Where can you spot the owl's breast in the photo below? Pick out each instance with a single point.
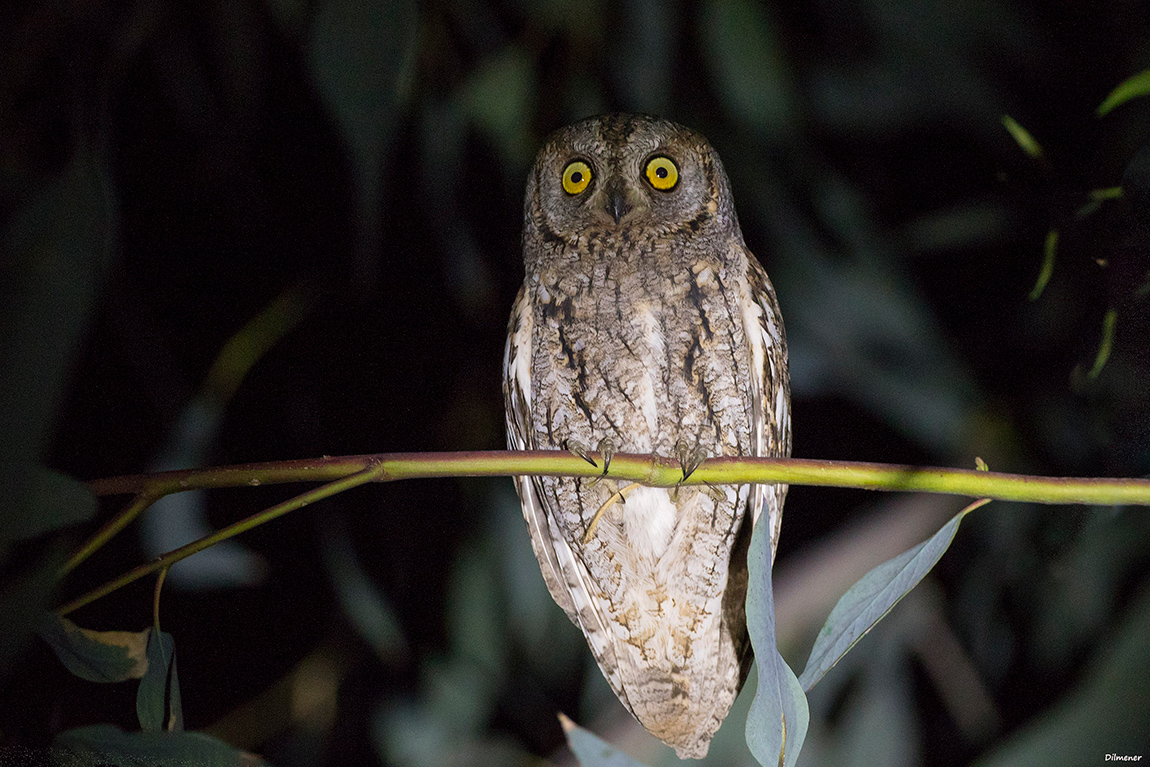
(645, 357)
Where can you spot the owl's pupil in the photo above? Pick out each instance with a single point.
(661, 172)
(576, 177)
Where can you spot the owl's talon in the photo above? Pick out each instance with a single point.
(579, 449)
(607, 450)
(690, 458)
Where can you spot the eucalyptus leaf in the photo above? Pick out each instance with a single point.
(779, 716)
(105, 744)
(97, 656)
(872, 597)
(592, 751)
(56, 248)
(159, 691)
(40, 500)
(1132, 87)
(749, 68)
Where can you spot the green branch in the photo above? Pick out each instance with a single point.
(346, 472)
(648, 470)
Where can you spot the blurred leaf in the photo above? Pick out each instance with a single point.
(778, 719)
(499, 97)
(1104, 345)
(877, 724)
(104, 744)
(873, 596)
(590, 750)
(23, 597)
(1049, 250)
(180, 518)
(1107, 714)
(748, 66)
(98, 656)
(56, 250)
(363, 603)
(39, 500)
(362, 56)
(1022, 137)
(158, 699)
(1133, 87)
(856, 328)
(475, 609)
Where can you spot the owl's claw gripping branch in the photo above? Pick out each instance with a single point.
(690, 458)
(607, 450)
(579, 449)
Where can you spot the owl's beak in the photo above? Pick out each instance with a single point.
(617, 205)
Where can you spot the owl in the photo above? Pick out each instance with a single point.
(645, 325)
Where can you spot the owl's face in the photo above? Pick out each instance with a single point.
(628, 176)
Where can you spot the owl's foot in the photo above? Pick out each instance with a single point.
(690, 458)
(579, 449)
(607, 450)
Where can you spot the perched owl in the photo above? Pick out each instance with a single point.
(644, 325)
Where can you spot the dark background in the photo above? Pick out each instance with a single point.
(353, 173)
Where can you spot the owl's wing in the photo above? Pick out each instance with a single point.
(516, 392)
(770, 388)
(563, 571)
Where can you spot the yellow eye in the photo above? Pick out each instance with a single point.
(576, 177)
(663, 173)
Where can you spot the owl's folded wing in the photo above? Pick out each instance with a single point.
(770, 387)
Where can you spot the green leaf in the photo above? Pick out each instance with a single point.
(158, 699)
(105, 744)
(1138, 85)
(1049, 250)
(1105, 345)
(56, 248)
(749, 66)
(39, 500)
(499, 97)
(778, 719)
(23, 597)
(590, 750)
(866, 602)
(362, 58)
(1022, 137)
(98, 656)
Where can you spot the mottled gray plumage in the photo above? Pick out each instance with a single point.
(644, 324)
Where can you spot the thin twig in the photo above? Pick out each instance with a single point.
(363, 477)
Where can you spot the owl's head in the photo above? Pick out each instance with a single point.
(631, 178)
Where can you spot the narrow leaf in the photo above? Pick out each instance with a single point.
(105, 744)
(1138, 85)
(778, 719)
(866, 602)
(741, 42)
(39, 500)
(1050, 248)
(1105, 344)
(175, 721)
(1022, 136)
(98, 656)
(590, 750)
(152, 697)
